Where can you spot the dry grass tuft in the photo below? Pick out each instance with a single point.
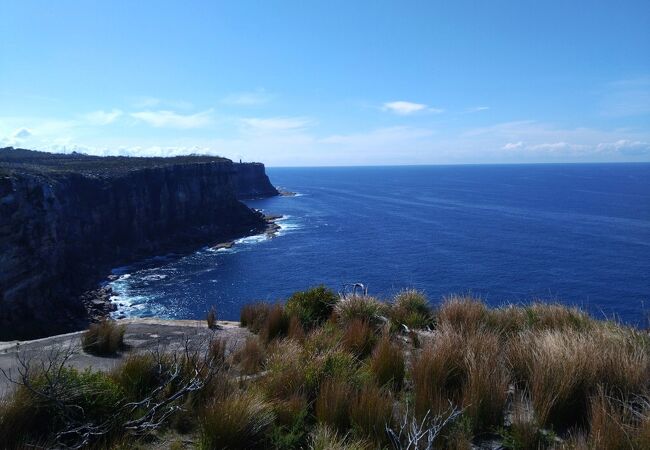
(333, 404)
(286, 374)
(462, 313)
(276, 324)
(296, 330)
(253, 316)
(250, 358)
(366, 309)
(211, 318)
(437, 372)
(371, 410)
(387, 364)
(104, 338)
(359, 338)
(324, 438)
(486, 380)
(411, 308)
(239, 421)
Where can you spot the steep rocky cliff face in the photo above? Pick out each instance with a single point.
(64, 224)
(251, 181)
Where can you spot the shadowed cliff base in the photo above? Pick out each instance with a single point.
(66, 220)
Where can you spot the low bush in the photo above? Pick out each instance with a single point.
(291, 428)
(313, 306)
(410, 308)
(104, 338)
(239, 421)
(387, 364)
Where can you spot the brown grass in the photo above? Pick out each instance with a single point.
(437, 372)
(296, 330)
(211, 318)
(325, 438)
(217, 350)
(333, 404)
(239, 421)
(276, 324)
(462, 313)
(387, 364)
(104, 338)
(411, 308)
(370, 411)
(286, 370)
(359, 338)
(485, 387)
(250, 358)
(367, 309)
(253, 316)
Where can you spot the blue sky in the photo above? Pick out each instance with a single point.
(332, 82)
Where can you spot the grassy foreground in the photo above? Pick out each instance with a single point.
(323, 372)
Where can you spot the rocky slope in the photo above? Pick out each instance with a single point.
(65, 220)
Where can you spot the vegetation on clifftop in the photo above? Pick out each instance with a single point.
(325, 372)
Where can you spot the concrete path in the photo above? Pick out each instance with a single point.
(141, 335)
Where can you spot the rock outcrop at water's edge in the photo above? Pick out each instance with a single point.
(66, 220)
(251, 181)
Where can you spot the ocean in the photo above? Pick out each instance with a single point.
(572, 233)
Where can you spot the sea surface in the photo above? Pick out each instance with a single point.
(575, 233)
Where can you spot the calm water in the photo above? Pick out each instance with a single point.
(579, 234)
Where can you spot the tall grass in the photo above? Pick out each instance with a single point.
(387, 364)
(371, 410)
(276, 324)
(359, 338)
(253, 316)
(104, 338)
(239, 421)
(462, 313)
(250, 357)
(333, 404)
(411, 308)
(366, 309)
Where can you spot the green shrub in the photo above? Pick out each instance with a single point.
(240, 421)
(103, 338)
(313, 306)
(412, 309)
(292, 425)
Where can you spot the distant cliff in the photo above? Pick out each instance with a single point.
(65, 220)
(251, 181)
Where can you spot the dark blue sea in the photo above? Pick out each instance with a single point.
(575, 233)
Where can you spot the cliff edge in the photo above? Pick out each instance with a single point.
(66, 220)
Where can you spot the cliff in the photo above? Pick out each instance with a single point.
(66, 220)
(251, 181)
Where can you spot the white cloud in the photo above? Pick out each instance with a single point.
(475, 109)
(513, 145)
(258, 97)
(21, 133)
(276, 123)
(404, 108)
(101, 117)
(170, 119)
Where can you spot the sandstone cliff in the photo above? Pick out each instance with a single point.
(251, 181)
(65, 220)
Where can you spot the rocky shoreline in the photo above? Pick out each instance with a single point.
(99, 305)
